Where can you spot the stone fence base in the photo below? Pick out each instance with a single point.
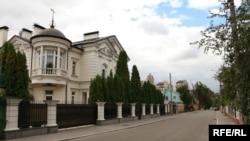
(115, 120)
(29, 132)
(149, 116)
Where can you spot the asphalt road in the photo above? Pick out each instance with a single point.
(184, 127)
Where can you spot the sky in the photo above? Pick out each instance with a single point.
(156, 34)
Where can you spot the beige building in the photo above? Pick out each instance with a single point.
(180, 83)
(60, 69)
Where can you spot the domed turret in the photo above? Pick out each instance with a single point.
(51, 32)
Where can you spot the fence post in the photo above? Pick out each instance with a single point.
(143, 109)
(151, 109)
(12, 114)
(51, 115)
(119, 109)
(158, 109)
(166, 108)
(133, 109)
(100, 110)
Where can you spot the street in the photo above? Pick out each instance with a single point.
(191, 126)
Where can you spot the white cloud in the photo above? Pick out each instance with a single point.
(203, 4)
(175, 3)
(155, 44)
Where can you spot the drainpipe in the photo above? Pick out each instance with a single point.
(66, 89)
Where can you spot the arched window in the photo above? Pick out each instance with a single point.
(104, 69)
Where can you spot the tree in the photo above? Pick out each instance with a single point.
(135, 86)
(14, 68)
(185, 96)
(9, 70)
(111, 87)
(22, 81)
(119, 89)
(123, 72)
(232, 38)
(204, 94)
(96, 91)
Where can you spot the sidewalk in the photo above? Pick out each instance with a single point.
(221, 118)
(77, 132)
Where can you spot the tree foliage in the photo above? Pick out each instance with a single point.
(135, 86)
(205, 95)
(150, 95)
(14, 68)
(123, 72)
(110, 89)
(185, 96)
(232, 38)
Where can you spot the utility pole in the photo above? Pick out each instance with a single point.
(170, 94)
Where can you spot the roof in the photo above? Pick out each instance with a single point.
(92, 40)
(51, 32)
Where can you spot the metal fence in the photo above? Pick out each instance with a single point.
(126, 110)
(70, 115)
(2, 114)
(162, 109)
(138, 110)
(32, 114)
(147, 108)
(110, 111)
(155, 108)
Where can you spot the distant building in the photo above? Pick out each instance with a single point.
(175, 96)
(181, 83)
(60, 69)
(150, 78)
(163, 85)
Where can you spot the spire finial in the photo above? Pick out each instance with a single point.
(52, 23)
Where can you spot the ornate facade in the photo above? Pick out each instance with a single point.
(60, 69)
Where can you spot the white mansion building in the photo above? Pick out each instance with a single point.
(60, 69)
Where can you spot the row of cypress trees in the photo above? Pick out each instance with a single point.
(119, 87)
(15, 73)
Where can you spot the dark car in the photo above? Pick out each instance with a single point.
(216, 108)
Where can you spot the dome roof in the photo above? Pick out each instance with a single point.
(51, 32)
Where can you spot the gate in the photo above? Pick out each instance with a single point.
(70, 115)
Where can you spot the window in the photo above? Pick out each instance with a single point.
(49, 58)
(48, 95)
(174, 97)
(166, 97)
(104, 69)
(61, 60)
(73, 98)
(39, 58)
(74, 68)
(84, 98)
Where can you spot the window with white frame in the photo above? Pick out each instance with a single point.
(48, 94)
(49, 58)
(73, 98)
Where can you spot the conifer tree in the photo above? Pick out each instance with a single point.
(135, 86)
(96, 93)
(22, 81)
(9, 69)
(123, 72)
(110, 85)
(119, 89)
